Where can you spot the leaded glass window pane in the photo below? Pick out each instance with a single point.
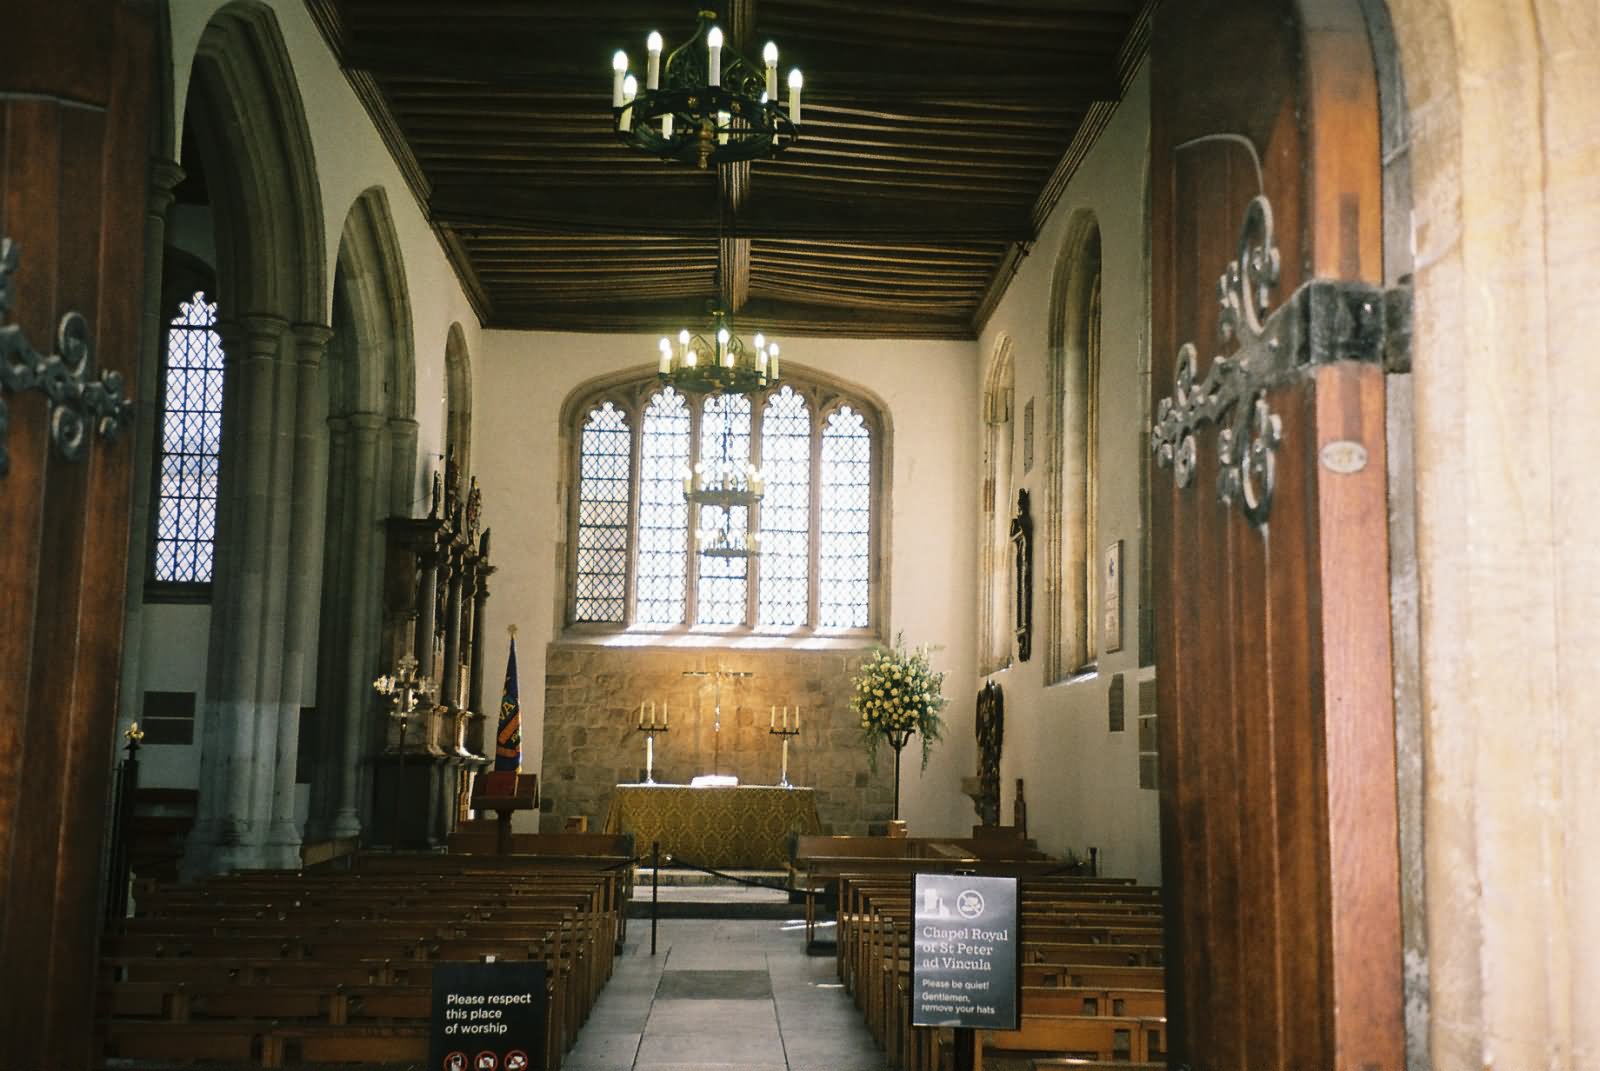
(724, 444)
(844, 549)
(783, 591)
(663, 555)
(190, 446)
(605, 463)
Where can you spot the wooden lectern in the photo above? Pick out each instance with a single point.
(502, 792)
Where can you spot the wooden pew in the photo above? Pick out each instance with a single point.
(275, 968)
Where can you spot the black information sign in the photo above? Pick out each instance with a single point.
(964, 952)
(488, 1017)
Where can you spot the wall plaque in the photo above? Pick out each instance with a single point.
(964, 952)
(488, 1017)
(1111, 588)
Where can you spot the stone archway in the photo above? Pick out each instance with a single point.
(372, 441)
(271, 282)
(1501, 159)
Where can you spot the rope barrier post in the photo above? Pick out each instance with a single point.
(655, 885)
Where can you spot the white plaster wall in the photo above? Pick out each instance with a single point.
(930, 393)
(172, 659)
(1082, 780)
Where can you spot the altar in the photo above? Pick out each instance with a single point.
(738, 826)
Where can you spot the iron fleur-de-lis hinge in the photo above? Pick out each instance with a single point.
(76, 401)
(1323, 321)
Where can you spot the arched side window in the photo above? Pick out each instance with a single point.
(996, 635)
(1072, 461)
(189, 447)
(604, 488)
(812, 534)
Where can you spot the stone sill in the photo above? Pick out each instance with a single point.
(737, 640)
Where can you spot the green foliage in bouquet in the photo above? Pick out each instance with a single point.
(897, 690)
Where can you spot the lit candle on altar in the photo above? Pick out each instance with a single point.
(770, 56)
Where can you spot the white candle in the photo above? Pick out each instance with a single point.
(724, 122)
(714, 46)
(797, 717)
(666, 125)
(630, 89)
(796, 80)
(722, 347)
(770, 54)
(619, 68)
(663, 713)
(641, 712)
(666, 356)
(785, 717)
(773, 350)
(772, 716)
(652, 77)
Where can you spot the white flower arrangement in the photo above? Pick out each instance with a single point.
(898, 691)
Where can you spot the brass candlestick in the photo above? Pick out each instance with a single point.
(650, 727)
(779, 726)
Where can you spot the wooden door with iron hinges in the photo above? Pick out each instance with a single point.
(1279, 827)
(76, 84)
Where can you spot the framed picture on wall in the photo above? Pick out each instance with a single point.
(1111, 584)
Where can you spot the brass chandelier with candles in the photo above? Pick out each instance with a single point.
(704, 102)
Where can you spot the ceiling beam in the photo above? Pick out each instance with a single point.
(647, 212)
(782, 318)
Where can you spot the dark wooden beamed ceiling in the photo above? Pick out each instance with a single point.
(937, 135)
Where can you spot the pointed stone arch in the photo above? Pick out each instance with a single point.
(272, 290)
(458, 399)
(258, 155)
(372, 445)
(1072, 376)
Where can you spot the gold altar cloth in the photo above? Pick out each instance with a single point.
(742, 826)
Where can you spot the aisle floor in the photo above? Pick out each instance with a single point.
(723, 995)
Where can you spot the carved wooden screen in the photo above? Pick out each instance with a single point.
(1277, 764)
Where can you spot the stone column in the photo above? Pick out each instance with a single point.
(332, 634)
(273, 680)
(242, 610)
(306, 533)
(164, 176)
(202, 847)
(358, 696)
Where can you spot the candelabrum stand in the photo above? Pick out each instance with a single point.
(650, 732)
(408, 694)
(786, 733)
(897, 740)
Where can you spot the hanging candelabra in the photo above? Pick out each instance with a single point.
(705, 103)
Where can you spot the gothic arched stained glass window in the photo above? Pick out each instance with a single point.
(639, 549)
(189, 453)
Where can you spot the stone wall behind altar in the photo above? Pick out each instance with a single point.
(591, 711)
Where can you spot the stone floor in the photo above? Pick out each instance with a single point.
(723, 995)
